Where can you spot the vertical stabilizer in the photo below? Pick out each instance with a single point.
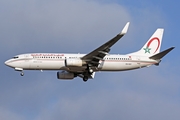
(153, 45)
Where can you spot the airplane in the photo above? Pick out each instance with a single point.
(84, 66)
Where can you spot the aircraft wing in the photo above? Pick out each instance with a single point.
(98, 54)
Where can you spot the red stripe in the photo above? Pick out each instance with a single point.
(155, 38)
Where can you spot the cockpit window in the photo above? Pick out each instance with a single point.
(15, 57)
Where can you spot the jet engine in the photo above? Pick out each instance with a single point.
(65, 75)
(73, 62)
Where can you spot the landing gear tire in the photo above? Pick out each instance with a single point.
(85, 78)
(22, 74)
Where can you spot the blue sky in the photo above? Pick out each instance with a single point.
(79, 26)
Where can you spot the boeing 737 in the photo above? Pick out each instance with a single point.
(70, 66)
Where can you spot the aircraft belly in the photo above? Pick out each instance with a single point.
(74, 69)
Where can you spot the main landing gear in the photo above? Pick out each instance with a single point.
(85, 78)
(89, 71)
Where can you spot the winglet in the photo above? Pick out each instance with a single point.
(124, 31)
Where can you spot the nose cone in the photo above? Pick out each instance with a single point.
(7, 63)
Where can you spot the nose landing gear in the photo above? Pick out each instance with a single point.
(20, 70)
(22, 74)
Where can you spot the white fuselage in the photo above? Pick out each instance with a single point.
(70, 66)
(56, 61)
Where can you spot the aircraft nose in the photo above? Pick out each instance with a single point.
(7, 63)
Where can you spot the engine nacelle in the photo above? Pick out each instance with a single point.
(65, 75)
(73, 63)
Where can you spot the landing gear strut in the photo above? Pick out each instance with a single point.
(89, 69)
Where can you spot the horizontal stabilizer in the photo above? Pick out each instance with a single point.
(161, 54)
